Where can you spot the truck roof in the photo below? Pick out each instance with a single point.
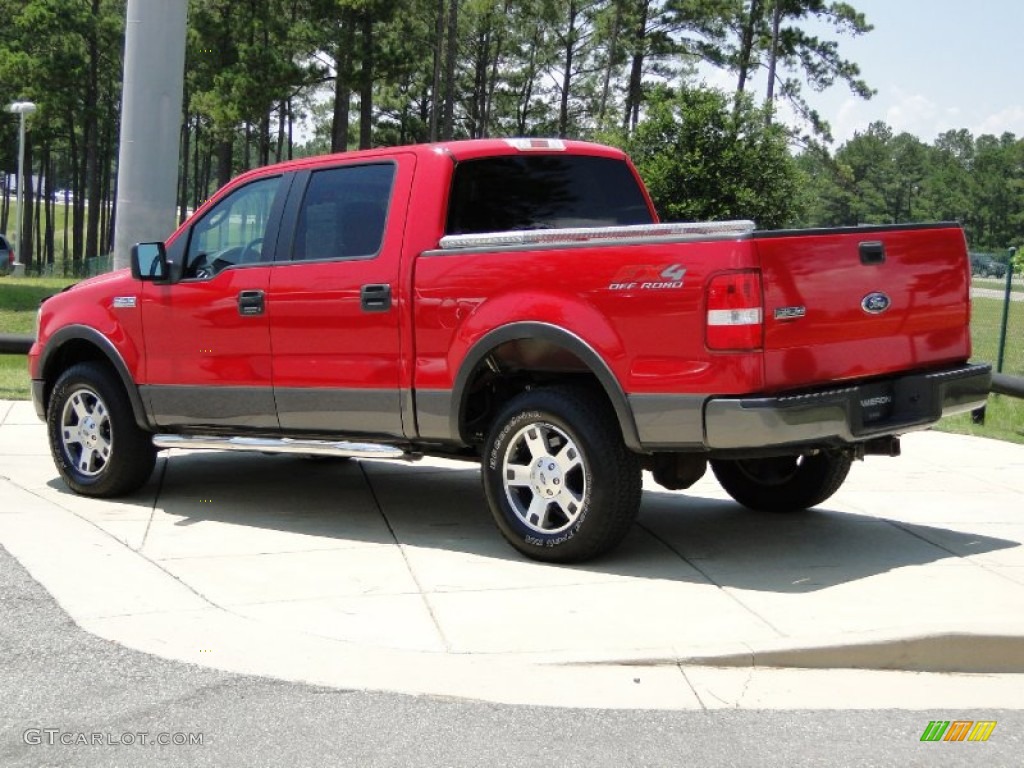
(457, 150)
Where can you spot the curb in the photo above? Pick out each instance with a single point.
(996, 652)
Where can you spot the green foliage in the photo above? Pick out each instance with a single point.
(704, 157)
(881, 178)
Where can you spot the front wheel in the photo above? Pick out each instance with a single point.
(783, 483)
(559, 480)
(96, 445)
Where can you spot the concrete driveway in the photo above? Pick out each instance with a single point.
(391, 576)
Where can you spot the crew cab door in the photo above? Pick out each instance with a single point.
(207, 335)
(334, 300)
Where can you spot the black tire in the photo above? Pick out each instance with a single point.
(96, 445)
(785, 483)
(560, 482)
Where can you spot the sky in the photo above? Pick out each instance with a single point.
(936, 65)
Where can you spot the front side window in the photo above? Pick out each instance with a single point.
(517, 192)
(343, 213)
(232, 232)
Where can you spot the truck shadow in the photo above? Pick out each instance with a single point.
(679, 537)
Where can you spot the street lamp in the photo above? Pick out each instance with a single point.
(22, 108)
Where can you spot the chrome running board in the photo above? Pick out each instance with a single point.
(285, 445)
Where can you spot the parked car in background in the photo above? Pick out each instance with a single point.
(983, 265)
(6, 256)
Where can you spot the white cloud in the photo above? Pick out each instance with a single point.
(1010, 119)
(920, 116)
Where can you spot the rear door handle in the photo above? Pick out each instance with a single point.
(251, 303)
(375, 297)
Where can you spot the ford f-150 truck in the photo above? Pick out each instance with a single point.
(515, 302)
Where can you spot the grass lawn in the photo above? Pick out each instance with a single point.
(994, 284)
(19, 299)
(1004, 420)
(14, 377)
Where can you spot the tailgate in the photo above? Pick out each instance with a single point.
(859, 302)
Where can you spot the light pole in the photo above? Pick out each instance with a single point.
(22, 108)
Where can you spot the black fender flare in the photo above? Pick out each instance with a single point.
(90, 335)
(555, 335)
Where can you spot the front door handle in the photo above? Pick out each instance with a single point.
(375, 297)
(251, 303)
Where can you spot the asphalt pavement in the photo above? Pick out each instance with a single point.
(904, 590)
(73, 699)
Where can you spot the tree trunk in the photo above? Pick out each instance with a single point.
(526, 92)
(49, 246)
(448, 129)
(40, 204)
(773, 57)
(5, 204)
(746, 54)
(24, 248)
(264, 146)
(613, 55)
(92, 140)
(76, 191)
(636, 71)
(366, 83)
(342, 85)
(492, 81)
(291, 127)
(113, 217)
(197, 192)
(570, 51)
(282, 116)
(435, 91)
(225, 150)
(186, 138)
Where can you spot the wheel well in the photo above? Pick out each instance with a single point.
(513, 367)
(68, 354)
(81, 350)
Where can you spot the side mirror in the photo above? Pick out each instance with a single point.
(149, 262)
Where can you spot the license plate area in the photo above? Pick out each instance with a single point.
(875, 404)
(890, 404)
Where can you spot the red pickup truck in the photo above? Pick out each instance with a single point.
(515, 302)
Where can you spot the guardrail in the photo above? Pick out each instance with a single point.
(15, 344)
(1004, 384)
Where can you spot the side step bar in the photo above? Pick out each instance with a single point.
(285, 445)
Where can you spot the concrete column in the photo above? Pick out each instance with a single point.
(154, 78)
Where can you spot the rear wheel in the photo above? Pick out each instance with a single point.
(96, 445)
(560, 482)
(783, 483)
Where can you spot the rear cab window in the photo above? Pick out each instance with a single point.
(344, 213)
(521, 192)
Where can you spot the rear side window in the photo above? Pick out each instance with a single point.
(501, 194)
(344, 212)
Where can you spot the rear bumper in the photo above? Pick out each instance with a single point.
(845, 415)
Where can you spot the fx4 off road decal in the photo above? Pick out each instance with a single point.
(645, 277)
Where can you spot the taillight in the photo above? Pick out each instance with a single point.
(735, 314)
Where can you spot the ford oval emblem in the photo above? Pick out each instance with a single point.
(875, 303)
